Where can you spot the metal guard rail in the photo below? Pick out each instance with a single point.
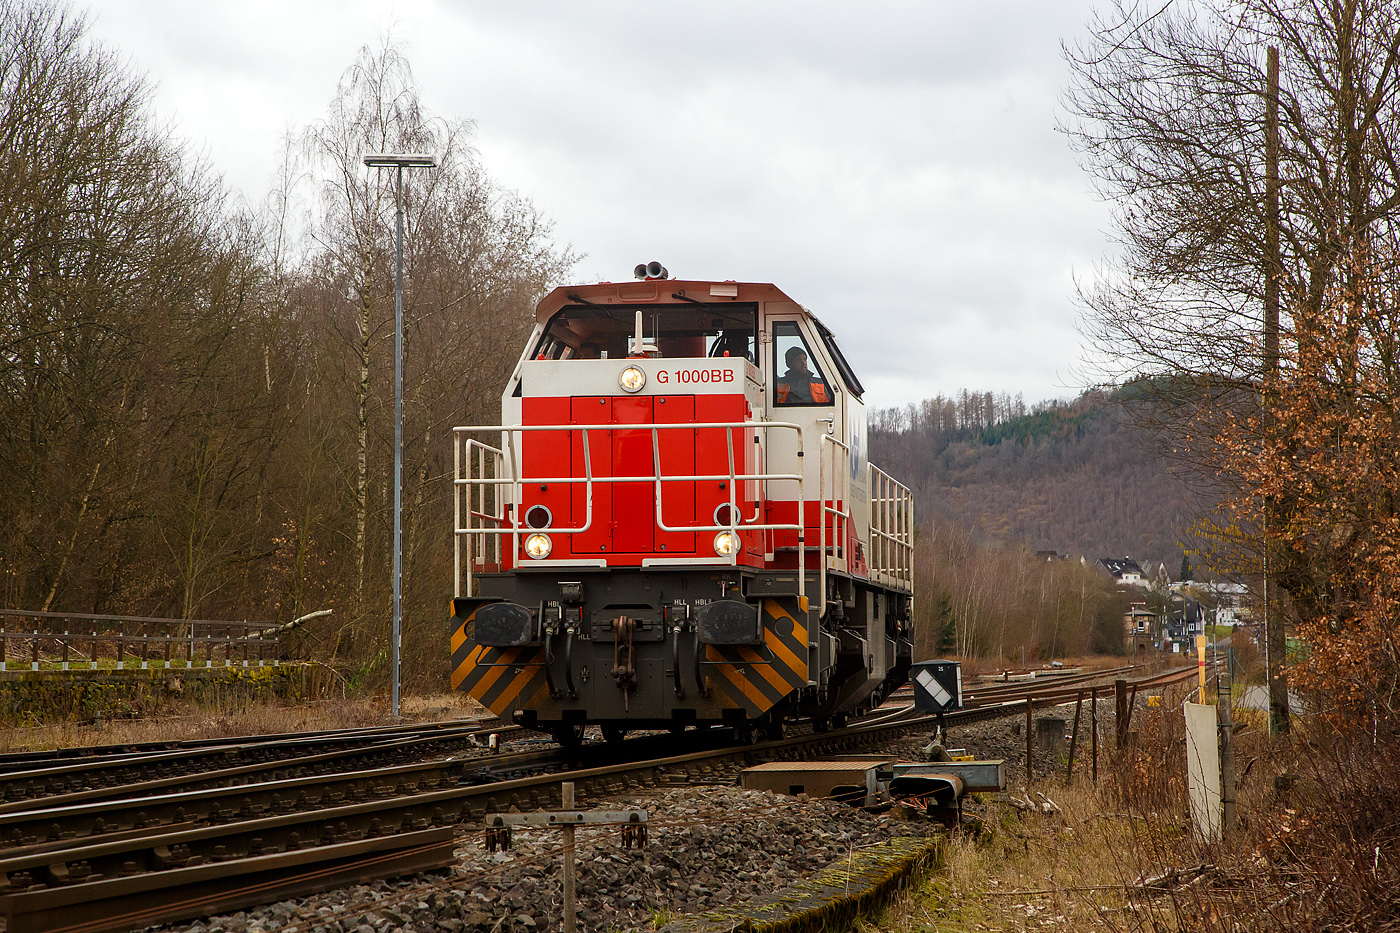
(891, 530)
(838, 452)
(53, 633)
(471, 488)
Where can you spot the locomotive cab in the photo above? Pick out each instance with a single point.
(676, 523)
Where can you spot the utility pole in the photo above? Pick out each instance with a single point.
(1274, 644)
(1225, 718)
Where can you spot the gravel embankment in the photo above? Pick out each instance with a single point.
(709, 847)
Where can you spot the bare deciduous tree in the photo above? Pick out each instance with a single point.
(124, 290)
(1168, 106)
(476, 259)
(195, 403)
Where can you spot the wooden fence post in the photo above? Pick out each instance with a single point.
(1074, 737)
(1030, 741)
(1094, 730)
(1120, 696)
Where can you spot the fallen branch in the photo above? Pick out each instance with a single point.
(288, 626)
(1047, 807)
(1044, 891)
(1175, 877)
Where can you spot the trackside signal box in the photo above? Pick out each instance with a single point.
(937, 685)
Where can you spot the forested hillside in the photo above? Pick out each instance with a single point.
(1072, 477)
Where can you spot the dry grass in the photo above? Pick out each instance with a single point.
(1321, 855)
(1028, 871)
(254, 719)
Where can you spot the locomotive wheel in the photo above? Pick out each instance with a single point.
(569, 736)
(743, 735)
(613, 734)
(773, 729)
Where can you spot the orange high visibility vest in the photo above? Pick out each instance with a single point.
(819, 396)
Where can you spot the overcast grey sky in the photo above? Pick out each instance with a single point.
(892, 166)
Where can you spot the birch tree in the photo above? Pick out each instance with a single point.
(476, 257)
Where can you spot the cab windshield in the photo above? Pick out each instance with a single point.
(592, 332)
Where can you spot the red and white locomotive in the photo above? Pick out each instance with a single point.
(676, 525)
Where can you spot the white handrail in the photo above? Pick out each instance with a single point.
(494, 526)
(841, 517)
(891, 529)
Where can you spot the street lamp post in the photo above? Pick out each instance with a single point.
(399, 161)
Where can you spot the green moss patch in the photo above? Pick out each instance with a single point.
(831, 900)
(32, 698)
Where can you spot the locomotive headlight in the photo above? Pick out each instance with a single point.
(538, 546)
(726, 544)
(632, 379)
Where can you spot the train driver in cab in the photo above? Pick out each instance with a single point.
(799, 386)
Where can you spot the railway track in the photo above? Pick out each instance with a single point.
(34, 778)
(19, 761)
(122, 856)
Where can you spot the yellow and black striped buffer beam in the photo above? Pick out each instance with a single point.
(756, 678)
(501, 679)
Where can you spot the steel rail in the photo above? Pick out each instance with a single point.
(72, 879)
(109, 777)
(29, 763)
(86, 862)
(207, 782)
(131, 903)
(1015, 705)
(93, 816)
(1001, 689)
(11, 762)
(77, 824)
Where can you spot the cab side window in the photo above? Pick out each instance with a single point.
(799, 379)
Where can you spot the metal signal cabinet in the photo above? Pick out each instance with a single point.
(937, 686)
(677, 524)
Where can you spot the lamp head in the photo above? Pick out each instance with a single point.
(400, 160)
